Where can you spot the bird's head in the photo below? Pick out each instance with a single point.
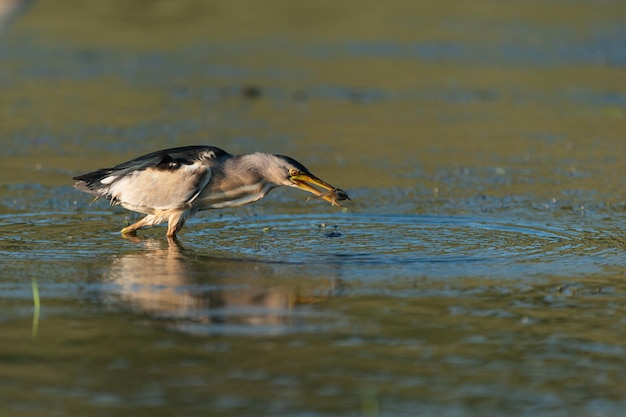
(292, 173)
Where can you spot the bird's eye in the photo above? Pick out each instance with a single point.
(293, 172)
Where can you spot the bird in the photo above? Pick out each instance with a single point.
(172, 185)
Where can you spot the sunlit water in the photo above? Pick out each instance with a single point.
(479, 269)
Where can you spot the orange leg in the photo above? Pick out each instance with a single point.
(175, 218)
(173, 228)
(131, 230)
(176, 222)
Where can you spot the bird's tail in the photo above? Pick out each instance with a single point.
(91, 183)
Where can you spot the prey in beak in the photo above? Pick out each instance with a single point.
(308, 182)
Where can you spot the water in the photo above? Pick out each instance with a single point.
(478, 270)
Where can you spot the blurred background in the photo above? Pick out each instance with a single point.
(408, 90)
(478, 270)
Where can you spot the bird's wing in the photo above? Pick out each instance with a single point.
(161, 180)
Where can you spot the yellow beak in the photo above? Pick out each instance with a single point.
(331, 194)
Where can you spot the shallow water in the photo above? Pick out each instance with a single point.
(479, 269)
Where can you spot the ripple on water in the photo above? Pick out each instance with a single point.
(440, 245)
(433, 245)
(57, 235)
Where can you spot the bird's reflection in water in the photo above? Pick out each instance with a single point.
(196, 294)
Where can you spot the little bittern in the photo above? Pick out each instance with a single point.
(172, 185)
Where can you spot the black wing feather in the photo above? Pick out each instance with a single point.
(159, 159)
(164, 159)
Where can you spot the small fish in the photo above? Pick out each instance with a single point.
(336, 194)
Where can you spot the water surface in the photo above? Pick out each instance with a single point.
(478, 270)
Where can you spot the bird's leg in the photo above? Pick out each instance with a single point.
(176, 222)
(132, 229)
(173, 228)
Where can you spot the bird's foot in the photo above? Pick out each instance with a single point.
(129, 232)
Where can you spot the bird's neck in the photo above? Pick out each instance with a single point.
(255, 167)
(239, 182)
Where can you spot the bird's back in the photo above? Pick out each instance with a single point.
(130, 182)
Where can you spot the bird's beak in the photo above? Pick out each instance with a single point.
(308, 182)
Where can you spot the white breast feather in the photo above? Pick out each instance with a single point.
(153, 189)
